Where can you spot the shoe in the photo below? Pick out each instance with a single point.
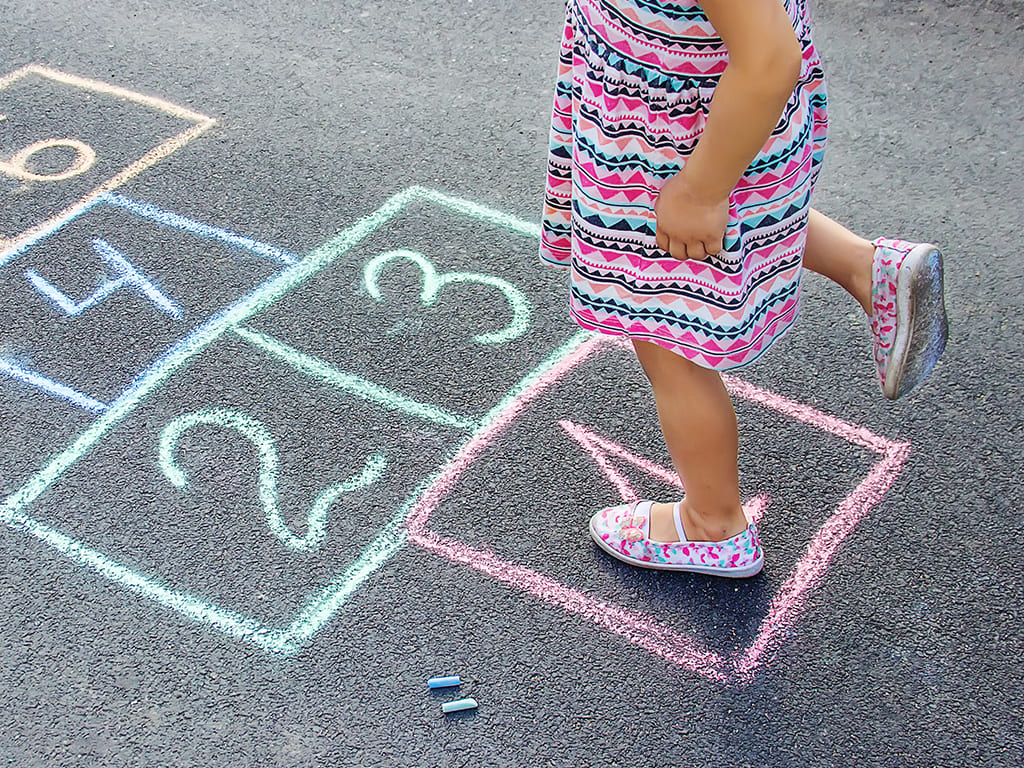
(908, 314)
(624, 533)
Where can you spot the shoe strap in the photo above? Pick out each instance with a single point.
(643, 508)
(679, 522)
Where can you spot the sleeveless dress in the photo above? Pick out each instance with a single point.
(635, 82)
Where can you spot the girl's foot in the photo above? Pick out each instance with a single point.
(697, 528)
(908, 313)
(624, 532)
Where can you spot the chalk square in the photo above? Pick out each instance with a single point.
(180, 273)
(257, 443)
(676, 643)
(53, 163)
(448, 306)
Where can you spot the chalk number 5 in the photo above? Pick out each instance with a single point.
(433, 282)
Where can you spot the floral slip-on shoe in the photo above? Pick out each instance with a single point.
(908, 314)
(623, 532)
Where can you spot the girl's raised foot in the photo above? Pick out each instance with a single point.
(908, 313)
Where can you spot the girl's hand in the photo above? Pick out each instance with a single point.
(689, 226)
(765, 59)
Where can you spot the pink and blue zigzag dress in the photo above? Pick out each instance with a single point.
(634, 86)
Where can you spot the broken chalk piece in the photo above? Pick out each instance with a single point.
(444, 682)
(458, 706)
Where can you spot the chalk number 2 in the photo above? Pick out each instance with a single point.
(433, 282)
(259, 435)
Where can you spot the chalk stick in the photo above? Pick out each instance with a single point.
(458, 706)
(444, 682)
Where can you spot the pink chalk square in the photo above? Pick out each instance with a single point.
(861, 485)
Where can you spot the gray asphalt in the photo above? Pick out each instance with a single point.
(150, 625)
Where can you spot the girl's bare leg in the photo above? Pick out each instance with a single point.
(838, 254)
(699, 425)
(696, 412)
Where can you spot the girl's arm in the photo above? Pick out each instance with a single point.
(692, 209)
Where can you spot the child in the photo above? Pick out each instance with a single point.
(686, 140)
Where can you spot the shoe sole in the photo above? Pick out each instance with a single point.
(921, 326)
(745, 572)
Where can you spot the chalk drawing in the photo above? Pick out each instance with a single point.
(51, 387)
(601, 450)
(433, 283)
(201, 123)
(165, 218)
(146, 212)
(17, 167)
(130, 277)
(645, 631)
(355, 385)
(151, 212)
(257, 433)
(322, 605)
(411, 518)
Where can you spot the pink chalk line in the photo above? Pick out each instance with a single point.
(640, 629)
(600, 448)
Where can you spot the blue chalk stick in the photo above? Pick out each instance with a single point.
(458, 706)
(444, 682)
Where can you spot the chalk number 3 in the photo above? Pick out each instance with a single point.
(433, 282)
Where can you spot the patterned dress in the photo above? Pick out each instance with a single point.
(635, 82)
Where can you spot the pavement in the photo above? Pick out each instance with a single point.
(294, 419)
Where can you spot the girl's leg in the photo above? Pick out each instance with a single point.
(899, 287)
(699, 425)
(838, 254)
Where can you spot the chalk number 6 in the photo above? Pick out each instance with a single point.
(434, 282)
(18, 168)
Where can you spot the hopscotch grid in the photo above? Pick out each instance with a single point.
(412, 515)
(392, 536)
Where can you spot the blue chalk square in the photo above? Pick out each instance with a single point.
(88, 307)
